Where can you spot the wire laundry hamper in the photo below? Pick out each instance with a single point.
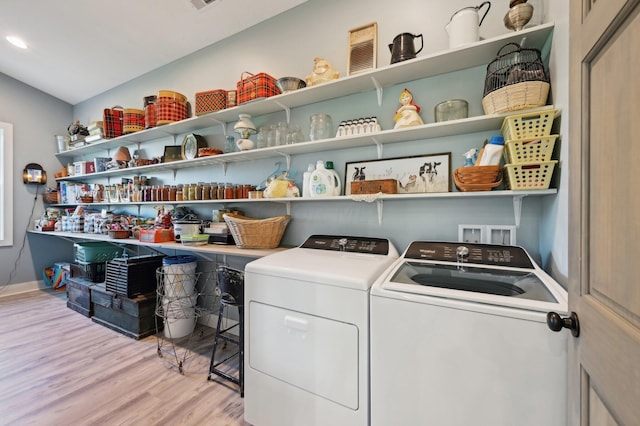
(516, 79)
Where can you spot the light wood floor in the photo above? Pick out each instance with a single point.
(58, 367)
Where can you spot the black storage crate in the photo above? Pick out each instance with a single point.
(93, 271)
(133, 317)
(79, 295)
(130, 276)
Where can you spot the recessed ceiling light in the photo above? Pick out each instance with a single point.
(17, 41)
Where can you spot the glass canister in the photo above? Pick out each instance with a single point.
(321, 127)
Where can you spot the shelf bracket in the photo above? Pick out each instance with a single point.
(379, 147)
(379, 90)
(517, 208)
(224, 168)
(288, 208)
(379, 206)
(286, 109)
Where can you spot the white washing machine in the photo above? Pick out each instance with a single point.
(307, 332)
(459, 337)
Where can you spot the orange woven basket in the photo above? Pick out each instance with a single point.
(477, 178)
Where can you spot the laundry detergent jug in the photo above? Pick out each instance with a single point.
(323, 182)
(464, 26)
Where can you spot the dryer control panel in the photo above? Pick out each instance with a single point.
(348, 244)
(483, 254)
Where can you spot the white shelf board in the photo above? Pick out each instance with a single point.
(476, 54)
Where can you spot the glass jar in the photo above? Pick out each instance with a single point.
(229, 191)
(206, 192)
(271, 136)
(191, 192)
(199, 188)
(220, 189)
(213, 187)
(281, 133)
(321, 127)
(261, 138)
(179, 193)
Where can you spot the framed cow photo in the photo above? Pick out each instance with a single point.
(415, 174)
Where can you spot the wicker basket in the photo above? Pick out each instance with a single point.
(525, 95)
(50, 197)
(516, 79)
(119, 234)
(256, 233)
(477, 178)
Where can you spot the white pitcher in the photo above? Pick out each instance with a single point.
(464, 26)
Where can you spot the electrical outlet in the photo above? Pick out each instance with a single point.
(471, 233)
(501, 234)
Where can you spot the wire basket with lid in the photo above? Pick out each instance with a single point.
(516, 79)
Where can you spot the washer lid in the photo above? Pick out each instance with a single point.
(516, 283)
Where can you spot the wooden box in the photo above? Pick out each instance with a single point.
(133, 317)
(386, 186)
(79, 295)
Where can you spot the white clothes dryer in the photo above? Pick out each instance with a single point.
(459, 337)
(307, 331)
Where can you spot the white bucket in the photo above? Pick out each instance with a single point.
(180, 297)
(175, 328)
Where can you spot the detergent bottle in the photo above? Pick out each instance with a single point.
(329, 166)
(306, 181)
(493, 151)
(323, 182)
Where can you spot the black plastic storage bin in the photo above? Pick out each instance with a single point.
(133, 317)
(131, 276)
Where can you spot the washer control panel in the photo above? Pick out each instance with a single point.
(482, 254)
(348, 244)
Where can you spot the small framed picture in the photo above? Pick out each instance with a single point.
(415, 174)
(172, 153)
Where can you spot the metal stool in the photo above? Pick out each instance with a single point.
(231, 282)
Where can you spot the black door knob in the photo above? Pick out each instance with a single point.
(556, 323)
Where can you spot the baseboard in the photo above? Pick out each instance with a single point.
(25, 287)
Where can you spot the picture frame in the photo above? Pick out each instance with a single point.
(172, 153)
(415, 174)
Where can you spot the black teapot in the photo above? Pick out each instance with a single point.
(403, 47)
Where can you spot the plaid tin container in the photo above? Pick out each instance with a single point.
(112, 122)
(210, 101)
(133, 120)
(256, 86)
(170, 107)
(150, 118)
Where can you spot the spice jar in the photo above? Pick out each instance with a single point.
(229, 191)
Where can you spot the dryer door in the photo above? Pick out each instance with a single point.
(313, 353)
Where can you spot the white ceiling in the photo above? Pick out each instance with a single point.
(81, 48)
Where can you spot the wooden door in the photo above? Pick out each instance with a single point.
(604, 239)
